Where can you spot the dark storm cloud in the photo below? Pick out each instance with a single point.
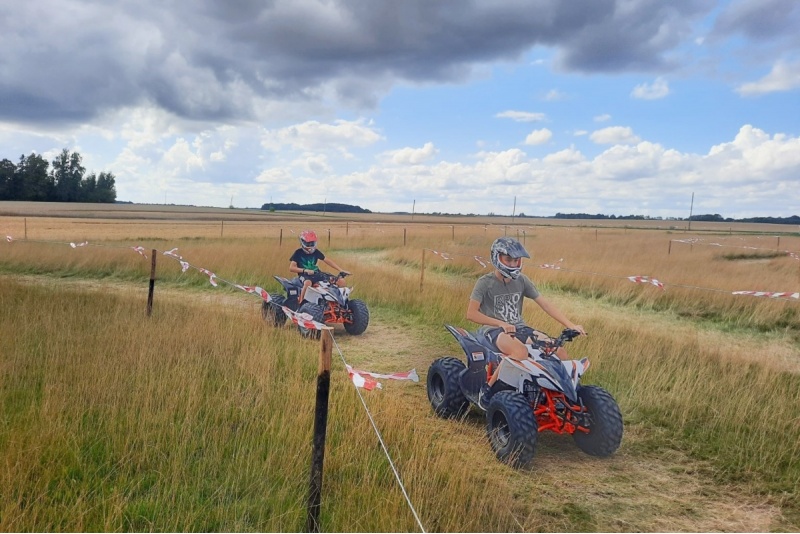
(211, 59)
(760, 19)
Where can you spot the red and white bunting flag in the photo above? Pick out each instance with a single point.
(442, 254)
(140, 250)
(770, 294)
(302, 319)
(173, 253)
(791, 255)
(184, 265)
(408, 375)
(76, 245)
(646, 280)
(480, 260)
(362, 381)
(556, 265)
(9, 238)
(212, 278)
(257, 290)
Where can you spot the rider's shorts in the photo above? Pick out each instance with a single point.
(315, 278)
(523, 333)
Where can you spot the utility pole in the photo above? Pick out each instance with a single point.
(514, 211)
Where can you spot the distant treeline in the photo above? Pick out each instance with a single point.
(794, 219)
(332, 207)
(33, 179)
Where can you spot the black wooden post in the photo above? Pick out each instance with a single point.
(152, 282)
(280, 238)
(320, 429)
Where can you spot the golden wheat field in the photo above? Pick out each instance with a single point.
(200, 416)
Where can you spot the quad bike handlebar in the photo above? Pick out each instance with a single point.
(567, 335)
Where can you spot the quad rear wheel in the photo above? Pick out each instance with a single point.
(605, 422)
(444, 392)
(271, 311)
(511, 428)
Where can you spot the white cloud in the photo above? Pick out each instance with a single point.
(613, 135)
(522, 116)
(411, 156)
(315, 136)
(602, 118)
(784, 76)
(538, 137)
(658, 89)
(554, 95)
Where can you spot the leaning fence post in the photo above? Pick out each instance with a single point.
(320, 429)
(26, 228)
(280, 238)
(152, 282)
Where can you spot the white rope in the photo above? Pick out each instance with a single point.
(380, 439)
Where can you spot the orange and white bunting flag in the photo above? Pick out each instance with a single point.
(76, 245)
(140, 250)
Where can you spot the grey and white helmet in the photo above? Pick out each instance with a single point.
(510, 247)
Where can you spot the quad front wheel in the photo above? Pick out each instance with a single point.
(444, 391)
(360, 318)
(604, 422)
(511, 428)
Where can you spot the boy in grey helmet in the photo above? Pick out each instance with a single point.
(496, 304)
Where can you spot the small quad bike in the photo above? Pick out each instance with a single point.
(542, 393)
(324, 301)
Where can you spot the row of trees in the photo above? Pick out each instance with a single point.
(34, 179)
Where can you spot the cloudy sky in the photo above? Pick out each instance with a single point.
(454, 106)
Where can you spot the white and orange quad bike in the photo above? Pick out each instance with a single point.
(542, 393)
(324, 302)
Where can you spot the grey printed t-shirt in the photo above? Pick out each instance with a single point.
(503, 300)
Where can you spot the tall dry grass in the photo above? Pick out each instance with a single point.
(200, 418)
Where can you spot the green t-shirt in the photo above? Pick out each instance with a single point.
(503, 300)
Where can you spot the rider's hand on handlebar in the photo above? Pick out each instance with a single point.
(580, 329)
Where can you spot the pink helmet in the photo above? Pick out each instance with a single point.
(308, 239)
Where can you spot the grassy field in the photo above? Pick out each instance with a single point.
(200, 417)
